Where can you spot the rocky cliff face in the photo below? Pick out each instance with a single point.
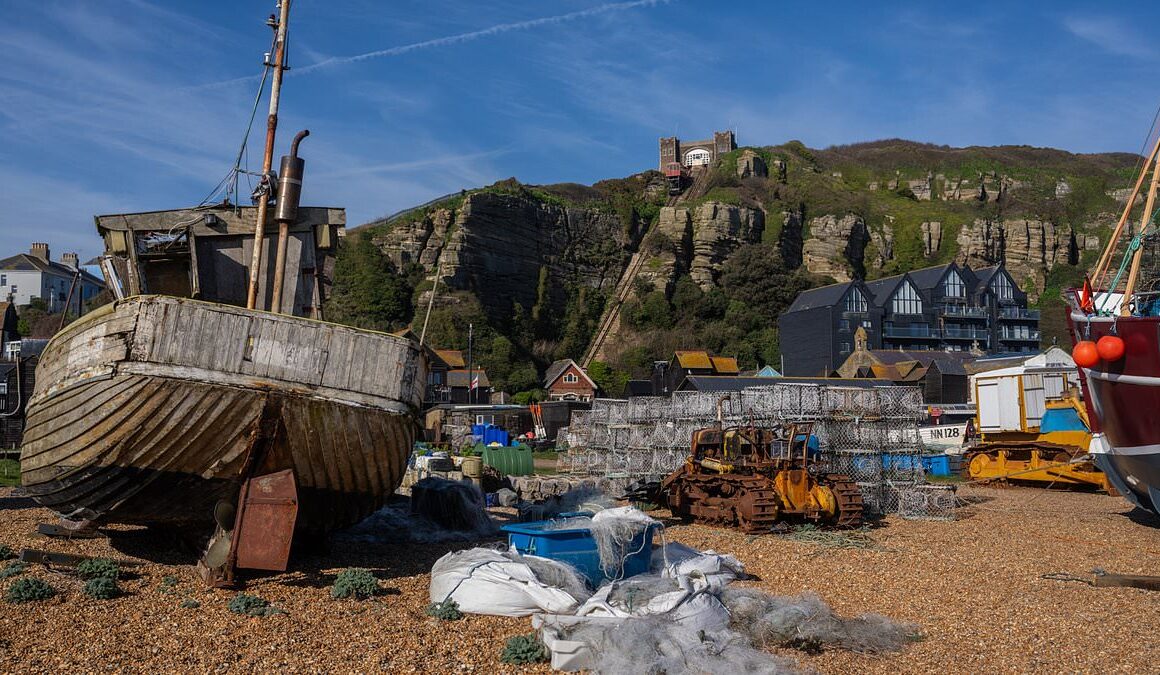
(836, 247)
(496, 244)
(1031, 248)
(699, 240)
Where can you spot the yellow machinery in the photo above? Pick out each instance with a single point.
(752, 478)
(1051, 452)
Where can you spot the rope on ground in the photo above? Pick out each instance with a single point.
(849, 539)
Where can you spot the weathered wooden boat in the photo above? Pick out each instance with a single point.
(183, 403)
(149, 410)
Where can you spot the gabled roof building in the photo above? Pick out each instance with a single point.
(942, 308)
(565, 380)
(25, 276)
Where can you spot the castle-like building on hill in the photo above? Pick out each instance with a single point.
(696, 153)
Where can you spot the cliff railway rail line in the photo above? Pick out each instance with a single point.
(610, 319)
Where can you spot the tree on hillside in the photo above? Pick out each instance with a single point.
(755, 276)
(368, 291)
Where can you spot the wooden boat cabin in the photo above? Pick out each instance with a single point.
(205, 252)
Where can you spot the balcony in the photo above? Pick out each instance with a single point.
(1019, 336)
(910, 331)
(1018, 313)
(964, 311)
(959, 333)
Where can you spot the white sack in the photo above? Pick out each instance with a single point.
(485, 581)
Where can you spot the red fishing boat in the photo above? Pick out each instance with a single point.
(1115, 325)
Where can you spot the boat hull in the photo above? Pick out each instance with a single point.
(156, 410)
(1123, 399)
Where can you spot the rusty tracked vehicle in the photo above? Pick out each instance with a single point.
(752, 478)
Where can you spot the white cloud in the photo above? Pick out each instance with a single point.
(1112, 35)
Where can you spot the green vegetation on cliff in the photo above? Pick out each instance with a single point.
(897, 194)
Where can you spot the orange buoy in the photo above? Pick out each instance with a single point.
(1085, 354)
(1110, 348)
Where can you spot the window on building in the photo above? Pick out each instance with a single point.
(953, 285)
(571, 378)
(855, 301)
(906, 300)
(698, 157)
(3, 279)
(844, 348)
(1003, 288)
(866, 324)
(844, 324)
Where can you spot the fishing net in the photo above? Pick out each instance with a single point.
(656, 644)
(588, 499)
(454, 505)
(769, 620)
(458, 518)
(618, 533)
(555, 574)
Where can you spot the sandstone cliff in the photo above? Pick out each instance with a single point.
(495, 245)
(698, 241)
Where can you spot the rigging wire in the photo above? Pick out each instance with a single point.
(230, 181)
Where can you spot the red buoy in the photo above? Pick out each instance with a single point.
(1110, 348)
(1085, 354)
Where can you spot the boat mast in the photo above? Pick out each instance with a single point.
(268, 157)
(1105, 260)
(1138, 255)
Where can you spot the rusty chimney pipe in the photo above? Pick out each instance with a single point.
(286, 211)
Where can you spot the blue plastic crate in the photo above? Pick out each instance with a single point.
(577, 547)
(937, 465)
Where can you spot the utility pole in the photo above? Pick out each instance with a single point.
(268, 157)
(470, 389)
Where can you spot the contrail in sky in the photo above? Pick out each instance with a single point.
(463, 37)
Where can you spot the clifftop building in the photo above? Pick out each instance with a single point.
(696, 153)
(945, 308)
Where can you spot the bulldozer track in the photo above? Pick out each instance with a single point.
(757, 506)
(850, 505)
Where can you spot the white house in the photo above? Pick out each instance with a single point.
(25, 276)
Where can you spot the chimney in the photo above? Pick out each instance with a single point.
(71, 259)
(40, 251)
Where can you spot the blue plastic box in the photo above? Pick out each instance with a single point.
(937, 465)
(577, 547)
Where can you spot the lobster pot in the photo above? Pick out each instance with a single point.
(639, 437)
(891, 494)
(903, 466)
(647, 408)
(759, 404)
(639, 462)
(927, 502)
(695, 405)
(619, 437)
(842, 434)
(900, 401)
(668, 460)
(849, 401)
(872, 498)
(862, 466)
(617, 411)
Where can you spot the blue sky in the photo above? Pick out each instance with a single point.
(133, 105)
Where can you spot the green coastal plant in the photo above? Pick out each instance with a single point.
(29, 589)
(523, 649)
(355, 582)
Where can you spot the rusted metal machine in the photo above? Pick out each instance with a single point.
(752, 478)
